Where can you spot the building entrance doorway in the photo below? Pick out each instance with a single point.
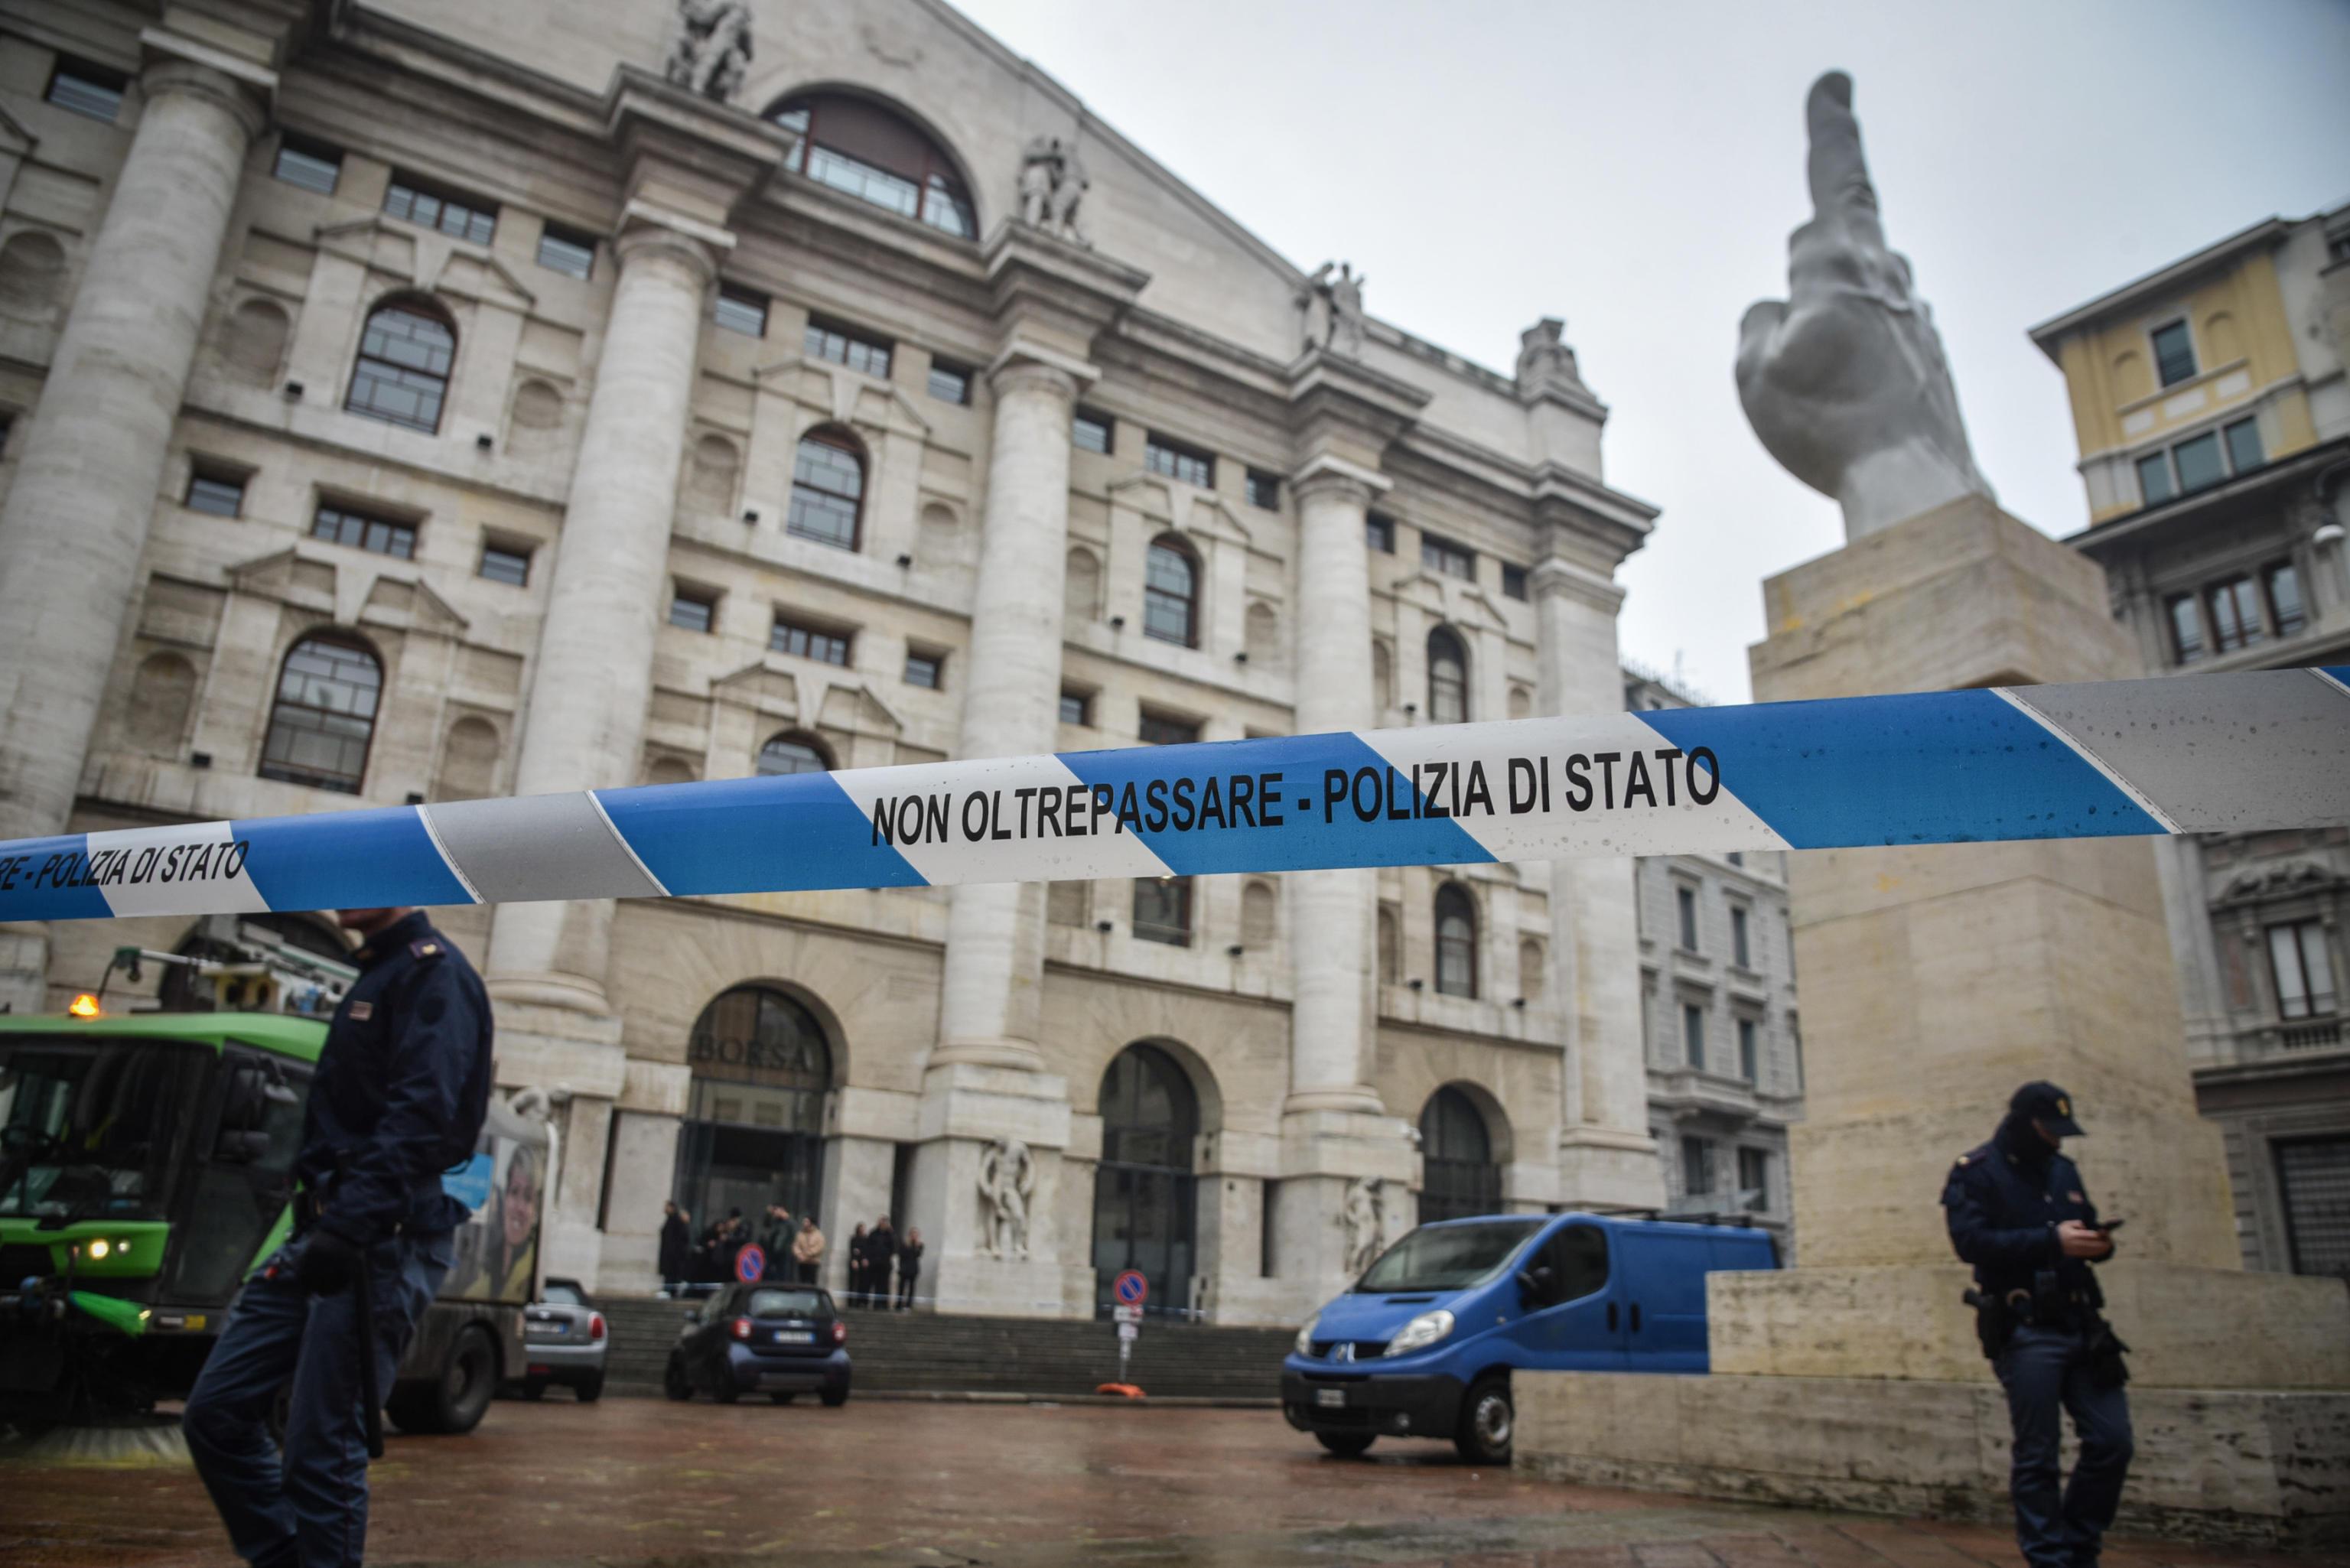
(1145, 1196)
(753, 1126)
(1459, 1177)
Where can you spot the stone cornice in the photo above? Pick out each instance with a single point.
(1326, 471)
(1026, 352)
(1555, 578)
(1041, 285)
(174, 64)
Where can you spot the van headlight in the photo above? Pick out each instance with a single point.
(1305, 1334)
(1421, 1333)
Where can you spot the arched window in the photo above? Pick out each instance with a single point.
(1456, 941)
(403, 370)
(876, 155)
(1170, 593)
(791, 753)
(324, 718)
(828, 488)
(1459, 1177)
(752, 1132)
(1448, 678)
(1145, 1199)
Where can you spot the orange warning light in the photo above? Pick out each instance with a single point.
(83, 1006)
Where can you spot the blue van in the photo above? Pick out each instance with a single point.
(1424, 1344)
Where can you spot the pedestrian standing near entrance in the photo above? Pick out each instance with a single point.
(881, 1250)
(909, 1267)
(2020, 1214)
(807, 1249)
(861, 1266)
(676, 1247)
(775, 1243)
(401, 1091)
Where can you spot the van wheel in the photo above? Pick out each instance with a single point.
(1488, 1422)
(455, 1401)
(1347, 1445)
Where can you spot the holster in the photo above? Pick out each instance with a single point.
(1995, 1322)
(2106, 1367)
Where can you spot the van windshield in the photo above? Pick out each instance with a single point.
(1447, 1257)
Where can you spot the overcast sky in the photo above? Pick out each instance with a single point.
(1636, 169)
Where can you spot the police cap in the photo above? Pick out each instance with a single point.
(2047, 1105)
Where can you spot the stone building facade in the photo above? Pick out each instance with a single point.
(1718, 1019)
(424, 401)
(2213, 416)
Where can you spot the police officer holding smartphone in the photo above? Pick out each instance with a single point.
(2019, 1213)
(401, 1091)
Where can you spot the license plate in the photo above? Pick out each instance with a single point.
(795, 1337)
(1330, 1398)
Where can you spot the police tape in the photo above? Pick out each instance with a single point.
(2208, 754)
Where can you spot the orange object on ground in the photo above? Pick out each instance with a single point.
(1123, 1390)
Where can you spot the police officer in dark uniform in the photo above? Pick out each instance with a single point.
(2019, 1213)
(401, 1091)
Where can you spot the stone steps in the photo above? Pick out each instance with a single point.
(958, 1353)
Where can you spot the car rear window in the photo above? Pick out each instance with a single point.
(786, 1304)
(560, 1295)
(1447, 1257)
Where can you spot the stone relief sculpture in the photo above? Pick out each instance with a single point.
(1333, 308)
(1845, 382)
(1008, 1180)
(1545, 359)
(1364, 1214)
(1052, 183)
(713, 44)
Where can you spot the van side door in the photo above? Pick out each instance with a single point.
(1578, 1326)
(1663, 1284)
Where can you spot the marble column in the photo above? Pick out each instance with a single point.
(995, 932)
(1605, 1155)
(585, 721)
(74, 532)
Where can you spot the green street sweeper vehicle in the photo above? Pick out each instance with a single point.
(145, 1163)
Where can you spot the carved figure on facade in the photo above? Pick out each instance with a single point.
(1845, 382)
(1546, 361)
(1332, 309)
(1007, 1181)
(713, 46)
(1052, 181)
(1365, 1215)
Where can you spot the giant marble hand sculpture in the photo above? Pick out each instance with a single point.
(1846, 383)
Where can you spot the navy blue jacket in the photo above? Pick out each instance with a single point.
(2003, 1214)
(403, 1088)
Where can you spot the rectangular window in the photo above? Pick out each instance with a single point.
(337, 526)
(1736, 857)
(692, 611)
(1754, 1178)
(949, 383)
(2284, 583)
(847, 345)
(925, 670)
(1266, 1209)
(417, 201)
(2244, 453)
(2305, 973)
(88, 90)
(808, 642)
(1176, 460)
(1514, 582)
(1089, 431)
(741, 310)
(2154, 486)
(1441, 554)
(2235, 615)
(568, 252)
(2200, 465)
(1379, 533)
(505, 564)
(313, 165)
(1739, 954)
(1163, 732)
(1749, 1052)
(1162, 910)
(1077, 707)
(2186, 628)
(2174, 353)
(1693, 1035)
(1697, 1168)
(1263, 490)
(222, 495)
(1685, 903)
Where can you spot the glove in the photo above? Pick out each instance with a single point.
(328, 1264)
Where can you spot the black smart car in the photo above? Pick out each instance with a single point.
(777, 1340)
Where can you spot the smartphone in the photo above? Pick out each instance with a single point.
(2109, 1226)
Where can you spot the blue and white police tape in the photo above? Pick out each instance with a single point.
(2266, 749)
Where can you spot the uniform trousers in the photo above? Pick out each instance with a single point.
(2045, 1371)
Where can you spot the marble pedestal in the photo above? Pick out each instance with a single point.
(1935, 981)
(967, 1109)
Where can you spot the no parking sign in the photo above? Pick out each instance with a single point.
(1130, 1288)
(750, 1263)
